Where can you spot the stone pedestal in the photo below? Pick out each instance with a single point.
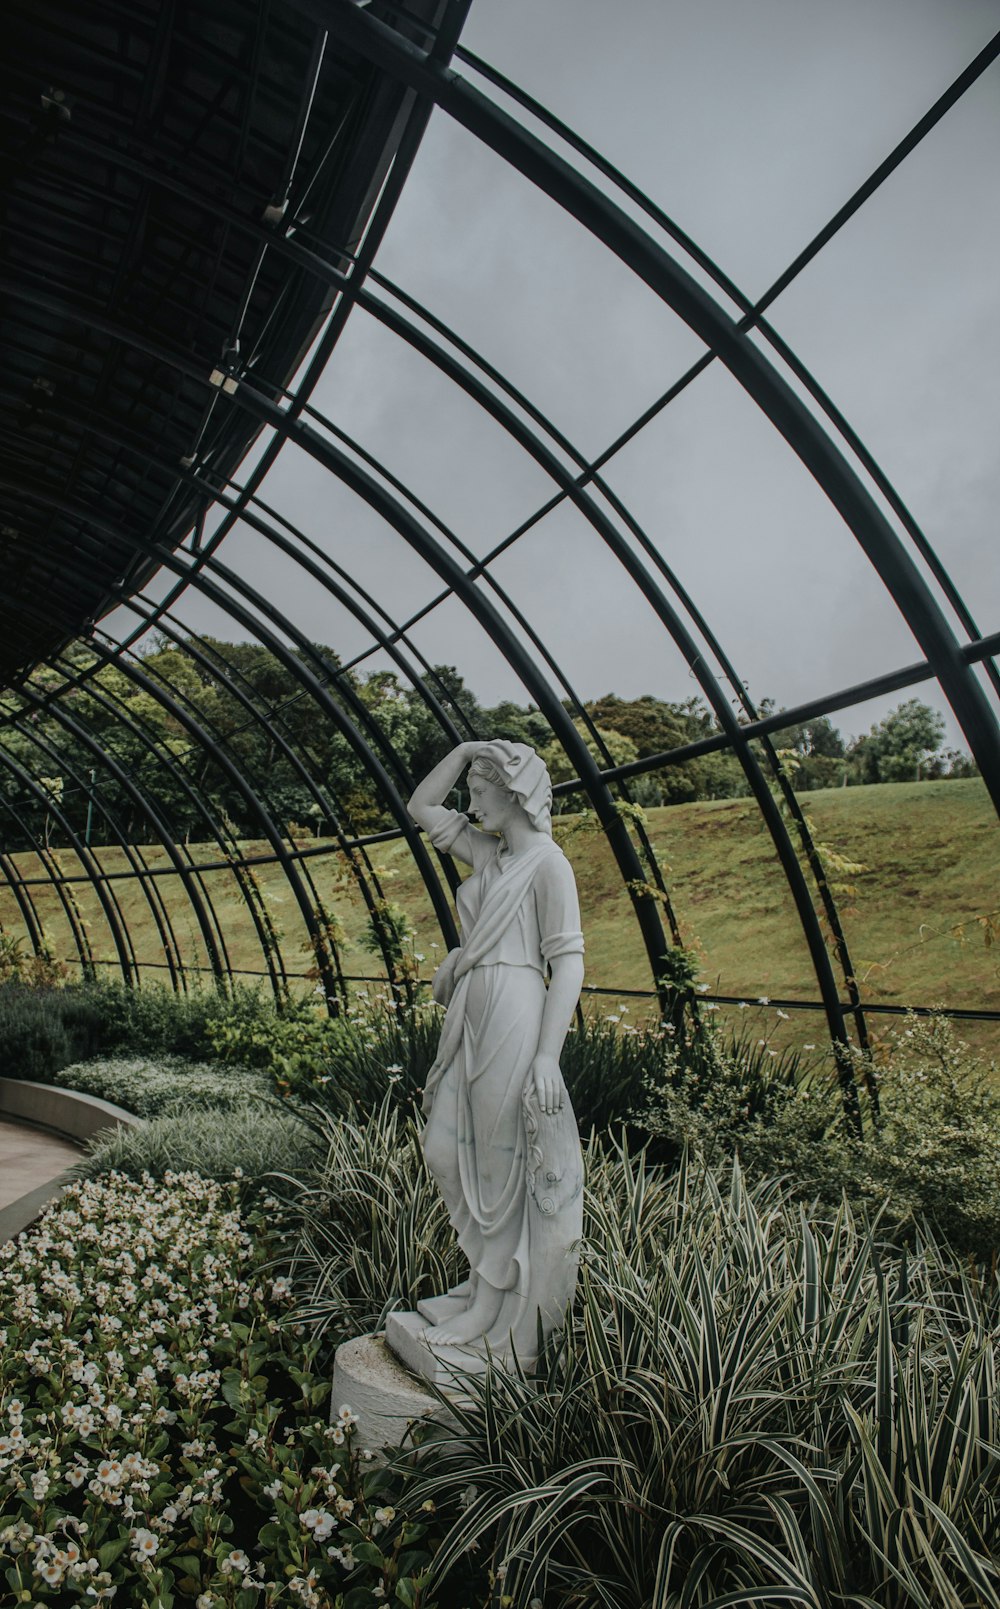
(372, 1382)
(381, 1378)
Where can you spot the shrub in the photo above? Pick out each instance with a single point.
(154, 1018)
(756, 1398)
(149, 1086)
(934, 1153)
(245, 1144)
(43, 1028)
(606, 1067)
(159, 1435)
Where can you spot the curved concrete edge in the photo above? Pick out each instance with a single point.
(66, 1112)
(21, 1214)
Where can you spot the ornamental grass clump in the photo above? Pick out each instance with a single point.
(248, 1144)
(752, 1405)
(372, 1230)
(149, 1085)
(163, 1438)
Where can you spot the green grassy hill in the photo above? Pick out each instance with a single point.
(917, 920)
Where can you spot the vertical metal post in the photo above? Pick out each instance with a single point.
(90, 807)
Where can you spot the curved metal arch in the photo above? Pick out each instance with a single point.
(152, 815)
(753, 312)
(229, 677)
(656, 268)
(806, 908)
(134, 858)
(783, 844)
(191, 881)
(252, 896)
(109, 904)
(291, 662)
(695, 660)
(79, 937)
(152, 741)
(21, 884)
(724, 663)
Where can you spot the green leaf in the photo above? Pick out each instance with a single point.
(368, 1553)
(358, 1598)
(406, 1591)
(232, 1383)
(187, 1563)
(110, 1551)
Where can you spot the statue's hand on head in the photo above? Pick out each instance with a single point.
(550, 1088)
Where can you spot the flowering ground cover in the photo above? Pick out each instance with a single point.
(162, 1435)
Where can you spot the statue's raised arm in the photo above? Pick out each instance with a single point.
(501, 1139)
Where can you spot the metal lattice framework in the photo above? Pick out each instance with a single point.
(195, 201)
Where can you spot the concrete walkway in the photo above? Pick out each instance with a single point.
(30, 1158)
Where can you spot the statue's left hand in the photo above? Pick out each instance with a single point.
(549, 1086)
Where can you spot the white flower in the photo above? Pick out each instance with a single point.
(281, 1288)
(145, 1543)
(346, 1415)
(385, 1516)
(319, 1521)
(764, 1000)
(783, 1015)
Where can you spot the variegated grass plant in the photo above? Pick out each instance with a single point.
(754, 1403)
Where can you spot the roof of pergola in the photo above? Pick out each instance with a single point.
(150, 154)
(194, 201)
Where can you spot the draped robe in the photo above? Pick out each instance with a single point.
(511, 1177)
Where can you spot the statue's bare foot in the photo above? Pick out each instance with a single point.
(478, 1317)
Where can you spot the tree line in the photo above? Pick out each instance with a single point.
(181, 727)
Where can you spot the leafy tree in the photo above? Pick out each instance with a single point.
(899, 748)
(656, 726)
(621, 749)
(816, 753)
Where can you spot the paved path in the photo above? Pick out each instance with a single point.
(29, 1158)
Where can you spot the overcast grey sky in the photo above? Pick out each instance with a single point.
(750, 122)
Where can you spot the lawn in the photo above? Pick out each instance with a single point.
(917, 919)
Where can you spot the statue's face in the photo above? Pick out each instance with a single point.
(492, 805)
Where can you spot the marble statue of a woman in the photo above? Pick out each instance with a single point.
(501, 1140)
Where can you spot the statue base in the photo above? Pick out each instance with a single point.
(386, 1398)
(404, 1335)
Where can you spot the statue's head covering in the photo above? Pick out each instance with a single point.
(522, 771)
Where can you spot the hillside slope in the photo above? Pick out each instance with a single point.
(915, 922)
